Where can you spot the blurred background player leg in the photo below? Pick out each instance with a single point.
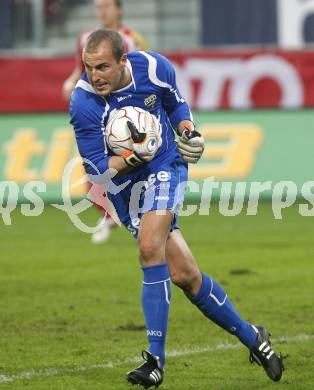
(103, 229)
(105, 223)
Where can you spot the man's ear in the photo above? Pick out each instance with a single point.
(123, 59)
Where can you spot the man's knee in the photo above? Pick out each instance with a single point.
(186, 278)
(149, 250)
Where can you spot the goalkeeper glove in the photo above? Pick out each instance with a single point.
(145, 144)
(191, 145)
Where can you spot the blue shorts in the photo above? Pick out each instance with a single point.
(159, 188)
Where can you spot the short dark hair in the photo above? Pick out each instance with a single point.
(106, 35)
(118, 3)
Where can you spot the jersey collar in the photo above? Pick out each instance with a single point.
(128, 64)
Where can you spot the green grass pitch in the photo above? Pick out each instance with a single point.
(70, 312)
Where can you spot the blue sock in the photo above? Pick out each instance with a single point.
(156, 296)
(213, 302)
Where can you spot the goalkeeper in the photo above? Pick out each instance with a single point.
(157, 165)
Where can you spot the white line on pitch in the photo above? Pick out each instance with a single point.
(112, 364)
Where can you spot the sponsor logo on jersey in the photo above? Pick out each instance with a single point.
(121, 98)
(164, 186)
(163, 176)
(150, 101)
(162, 197)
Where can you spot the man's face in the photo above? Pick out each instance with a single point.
(107, 13)
(104, 72)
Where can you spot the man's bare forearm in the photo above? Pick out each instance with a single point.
(118, 163)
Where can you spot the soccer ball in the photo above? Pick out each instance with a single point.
(117, 133)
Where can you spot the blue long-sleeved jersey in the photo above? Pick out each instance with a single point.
(153, 88)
